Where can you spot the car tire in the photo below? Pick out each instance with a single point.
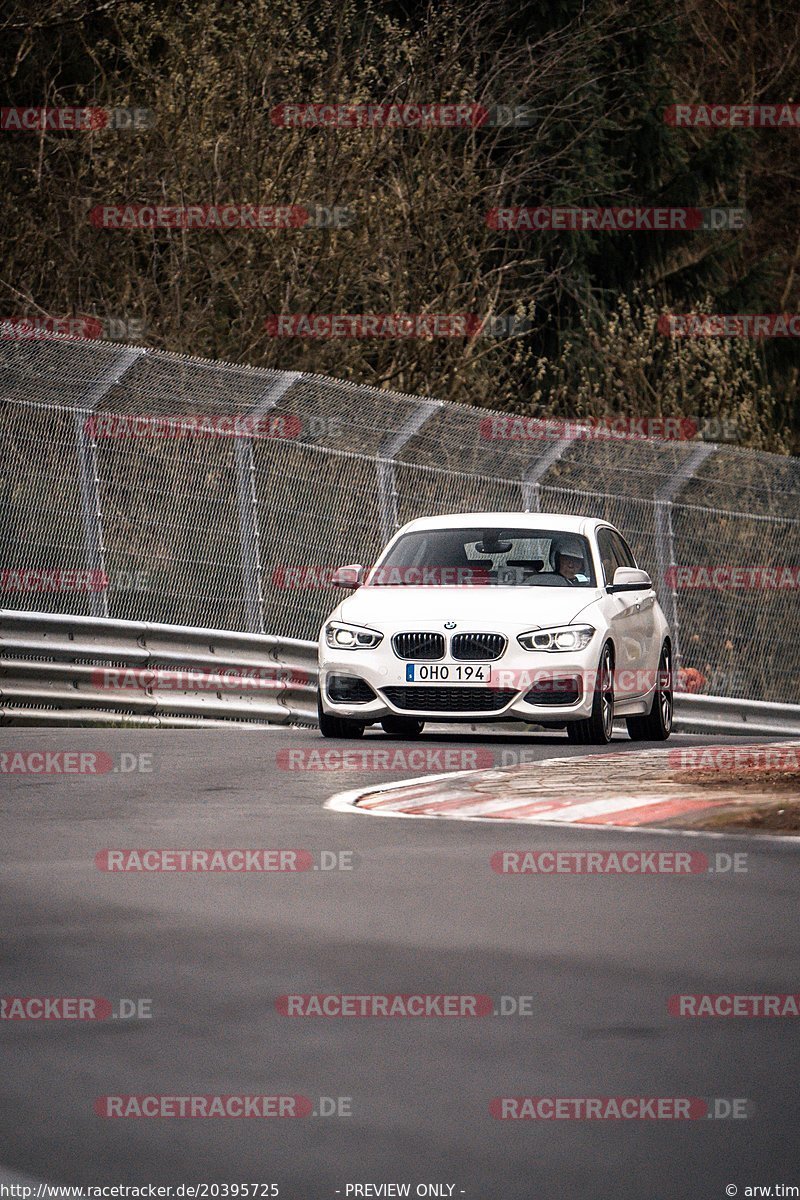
(402, 727)
(575, 733)
(337, 727)
(657, 725)
(597, 729)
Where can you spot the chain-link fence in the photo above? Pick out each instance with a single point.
(148, 486)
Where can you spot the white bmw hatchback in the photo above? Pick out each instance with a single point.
(536, 617)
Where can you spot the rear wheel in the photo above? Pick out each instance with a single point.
(657, 725)
(402, 727)
(337, 727)
(597, 729)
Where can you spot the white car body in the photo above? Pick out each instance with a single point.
(630, 621)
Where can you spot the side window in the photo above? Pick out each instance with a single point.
(622, 551)
(608, 556)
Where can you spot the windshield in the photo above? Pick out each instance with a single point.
(486, 557)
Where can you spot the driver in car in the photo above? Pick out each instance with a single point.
(568, 556)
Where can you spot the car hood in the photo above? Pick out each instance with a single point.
(478, 607)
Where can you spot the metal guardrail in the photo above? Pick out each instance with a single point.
(56, 668)
(720, 714)
(73, 669)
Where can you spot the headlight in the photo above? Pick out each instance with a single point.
(341, 636)
(562, 637)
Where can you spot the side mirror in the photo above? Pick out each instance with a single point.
(630, 579)
(348, 577)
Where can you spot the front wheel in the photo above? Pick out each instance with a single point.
(402, 727)
(597, 729)
(657, 725)
(337, 727)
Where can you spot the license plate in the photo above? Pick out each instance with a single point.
(447, 673)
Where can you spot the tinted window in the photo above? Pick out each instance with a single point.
(623, 550)
(609, 554)
(490, 556)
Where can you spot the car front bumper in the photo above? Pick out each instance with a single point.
(506, 697)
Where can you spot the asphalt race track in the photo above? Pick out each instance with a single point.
(421, 911)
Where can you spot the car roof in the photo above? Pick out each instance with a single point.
(562, 522)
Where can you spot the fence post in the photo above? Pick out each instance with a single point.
(247, 505)
(385, 464)
(89, 481)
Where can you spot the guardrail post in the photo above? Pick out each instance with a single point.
(86, 453)
(247, 506)
(385, 464)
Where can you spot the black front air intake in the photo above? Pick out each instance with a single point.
(348, 689)
(555, 692)
(449, 699)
